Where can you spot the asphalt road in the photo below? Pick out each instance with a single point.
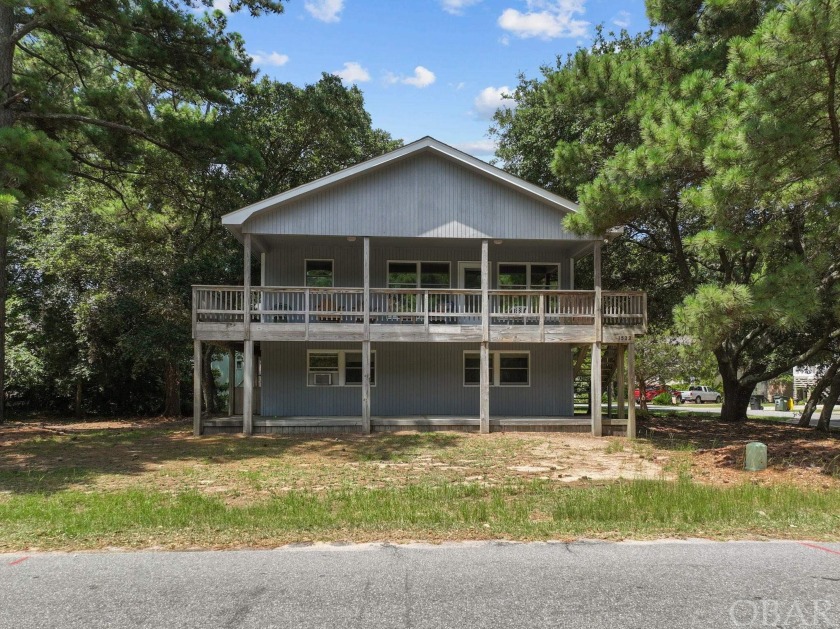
(472, 585)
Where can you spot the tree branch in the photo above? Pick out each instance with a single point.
(107, 124)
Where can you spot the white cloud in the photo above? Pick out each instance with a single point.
(490, 99)
(218, 5)
(325, 10)
(456, 7)
(477, 148)
(353, 72)
(422, 77)
(546, 19)
(622, 20)
(261, 58)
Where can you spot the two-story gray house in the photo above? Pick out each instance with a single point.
(420, 289)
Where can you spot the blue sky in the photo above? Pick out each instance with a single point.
(427, 67)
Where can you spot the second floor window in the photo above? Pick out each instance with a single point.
(529, 276)
(319, 273)
(418, 274)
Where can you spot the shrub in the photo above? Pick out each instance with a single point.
(662, 398)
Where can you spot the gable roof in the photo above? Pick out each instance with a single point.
(235, 220)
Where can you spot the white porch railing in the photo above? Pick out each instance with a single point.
(274, 304)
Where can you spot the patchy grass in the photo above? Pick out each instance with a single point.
(151, 484)
(520, 510)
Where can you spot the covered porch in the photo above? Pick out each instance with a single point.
(421, 423)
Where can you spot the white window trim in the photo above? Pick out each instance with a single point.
(307, 260)
(342, 367)
(527, 266)
(417, 264)
(495, 379)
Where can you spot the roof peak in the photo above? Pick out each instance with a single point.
(238, 217)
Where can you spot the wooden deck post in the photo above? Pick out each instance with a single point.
(248, 389)
(197, 388)
(595, 391)
(631, 379)
(571, 273)
(595, 384)
(366, 295)
(231, 382)
(484, 403)
(621, 383)
(246, 297)
(599, 320)
(366, 427)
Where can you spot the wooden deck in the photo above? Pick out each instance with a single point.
(420, 423)
(416, 315)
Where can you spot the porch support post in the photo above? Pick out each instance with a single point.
(248, 389)
(484, 404)
(609, 398)
(231, 382)
(571, 273)
(366, 427)
(197, 388)
(595, 385)
(596, 261)
(595, 391)
(621, 386)
(246, 283)
(631, 379)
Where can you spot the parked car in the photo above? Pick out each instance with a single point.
(651, 392)
(699, 394)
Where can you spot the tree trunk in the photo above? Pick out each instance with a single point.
(642, 395)
(77, 407)
(819, 388)
(736, 394)
(7, 50)
(736, 399)
(4, 249)
(172, 390)
(208, 383)
(824, 422)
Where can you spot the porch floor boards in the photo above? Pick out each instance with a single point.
(314, 425)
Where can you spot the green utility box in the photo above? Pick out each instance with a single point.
(756, 459)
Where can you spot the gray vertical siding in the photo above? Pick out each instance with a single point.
(424, 196)
(415, 379)
(284, 265)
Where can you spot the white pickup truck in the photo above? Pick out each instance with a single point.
(699, 394)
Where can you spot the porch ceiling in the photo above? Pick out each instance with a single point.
(565, 249)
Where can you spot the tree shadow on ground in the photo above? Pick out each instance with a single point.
(47, 457)
(788, 446)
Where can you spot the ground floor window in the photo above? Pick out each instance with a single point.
(507, 369)
(337, 368)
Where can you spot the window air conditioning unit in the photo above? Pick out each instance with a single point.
(322, 379)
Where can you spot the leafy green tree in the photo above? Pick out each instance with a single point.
(301, 134)
(683, 175)
(114, 263)
(74, 82)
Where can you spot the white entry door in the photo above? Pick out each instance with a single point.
(469, 277)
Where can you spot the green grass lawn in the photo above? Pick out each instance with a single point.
(160, 487)
(534, 510)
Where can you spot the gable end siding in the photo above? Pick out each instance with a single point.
(425, 195)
